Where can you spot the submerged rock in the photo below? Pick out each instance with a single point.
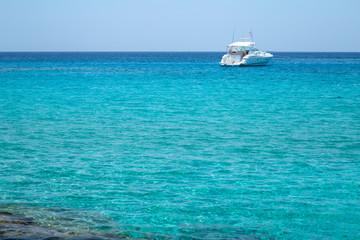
(48, 223)
(15, 227)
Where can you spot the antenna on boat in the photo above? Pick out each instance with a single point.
(251, 36)
(233, 35)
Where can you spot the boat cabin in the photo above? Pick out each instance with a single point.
(241, 48)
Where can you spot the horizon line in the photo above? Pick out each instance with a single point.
(157, 51)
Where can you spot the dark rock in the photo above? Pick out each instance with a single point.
(14, 227)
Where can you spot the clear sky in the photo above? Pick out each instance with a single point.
(186, 25)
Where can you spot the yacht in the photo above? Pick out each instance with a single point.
(245, 53)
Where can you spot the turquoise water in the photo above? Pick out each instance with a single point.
(170, 145)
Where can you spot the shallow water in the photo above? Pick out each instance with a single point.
(170, 145)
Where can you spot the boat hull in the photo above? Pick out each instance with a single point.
(249, 60)
(255, 61)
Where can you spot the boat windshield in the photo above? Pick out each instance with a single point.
(237, 49)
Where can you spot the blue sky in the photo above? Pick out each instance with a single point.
(187, 25)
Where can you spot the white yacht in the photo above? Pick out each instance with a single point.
(245, 53)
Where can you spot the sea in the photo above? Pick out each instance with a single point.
(169, 145)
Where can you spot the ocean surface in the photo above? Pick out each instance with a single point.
(173, 146)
